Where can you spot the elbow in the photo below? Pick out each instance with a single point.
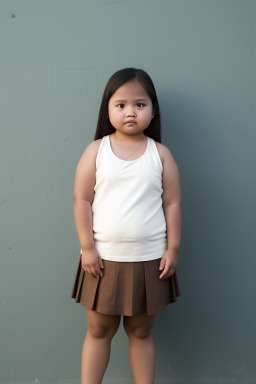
(76, 199)
(81, 200)
(176, 203)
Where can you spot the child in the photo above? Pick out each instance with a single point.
(127, 210)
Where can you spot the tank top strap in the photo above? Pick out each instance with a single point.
(102, 148)
(154, 152)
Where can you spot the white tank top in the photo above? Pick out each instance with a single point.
(128, 218)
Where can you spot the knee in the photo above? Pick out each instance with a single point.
(99, 331)
(140, 332)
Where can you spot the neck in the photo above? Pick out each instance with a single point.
(132, 138)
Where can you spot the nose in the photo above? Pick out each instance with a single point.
(130, 113)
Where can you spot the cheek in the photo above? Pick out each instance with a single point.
(148, 115)
(113, 115)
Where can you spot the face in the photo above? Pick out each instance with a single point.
(130, 102)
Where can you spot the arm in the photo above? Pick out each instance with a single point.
(172, 209)
(83, 197)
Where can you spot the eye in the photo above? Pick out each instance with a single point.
(140, 105)
(120, 104)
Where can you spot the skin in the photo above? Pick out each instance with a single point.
(128, 143)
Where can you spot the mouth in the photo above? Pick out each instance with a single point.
(131, 122)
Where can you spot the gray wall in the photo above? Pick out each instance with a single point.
(56, 57)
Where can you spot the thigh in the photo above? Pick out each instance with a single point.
(102, 324)
(142, 322)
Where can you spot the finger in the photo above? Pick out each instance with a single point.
(94, 272)
(98, 271)
(101, 263)
(168, 275)
(91, 268)
(165, 271)
(162, 263)
(171, 272)
(162, 275)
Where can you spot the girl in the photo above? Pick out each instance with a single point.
(127, 211)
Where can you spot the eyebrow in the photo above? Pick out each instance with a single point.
(126, 100)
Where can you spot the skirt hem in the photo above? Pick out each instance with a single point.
(121, 312)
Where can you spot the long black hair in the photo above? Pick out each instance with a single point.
(104, 127)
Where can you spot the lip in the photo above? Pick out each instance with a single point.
(130, 122)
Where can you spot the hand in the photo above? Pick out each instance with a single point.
(92, 262)
(169, 263)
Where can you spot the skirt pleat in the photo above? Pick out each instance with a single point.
(126, 288)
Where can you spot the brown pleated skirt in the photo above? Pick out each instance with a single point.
(126, 288)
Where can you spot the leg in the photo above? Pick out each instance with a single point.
(97, 346)
(141, 347)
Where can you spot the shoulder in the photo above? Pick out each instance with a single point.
(91, 150)
(166, 156)
(87, 160)
(93, 147)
